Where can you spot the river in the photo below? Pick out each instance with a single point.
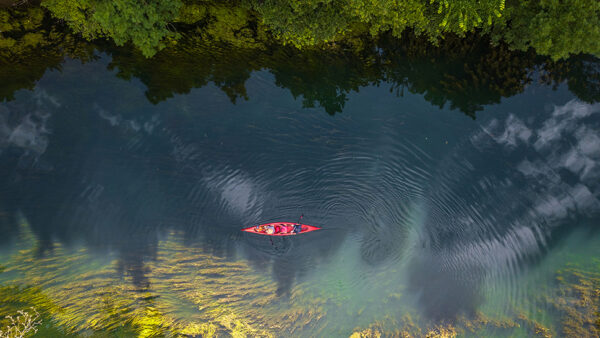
(122, 214)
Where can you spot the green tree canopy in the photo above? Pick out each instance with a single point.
(223, 22)
(557, 28)
(304, 22)
(143, 23)
(313, 22)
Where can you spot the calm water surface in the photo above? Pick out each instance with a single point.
(124, 216)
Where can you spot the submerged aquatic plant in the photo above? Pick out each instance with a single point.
(22, 324)
(578, 301)
(477, 325)
(405, 328)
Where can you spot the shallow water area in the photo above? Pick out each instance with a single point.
(124, 216)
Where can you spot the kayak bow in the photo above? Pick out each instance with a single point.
(281, 229)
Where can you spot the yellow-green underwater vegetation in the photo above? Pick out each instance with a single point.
(185, 291)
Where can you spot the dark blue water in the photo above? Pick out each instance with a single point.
(425, 211)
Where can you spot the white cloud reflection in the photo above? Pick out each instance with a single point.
(565, 149)
(26, 127)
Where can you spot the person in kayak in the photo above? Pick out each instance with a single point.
(269, 229)
(297, 228)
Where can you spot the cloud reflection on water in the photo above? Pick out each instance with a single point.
(530, 179)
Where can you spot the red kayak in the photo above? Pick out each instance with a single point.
(280, 229)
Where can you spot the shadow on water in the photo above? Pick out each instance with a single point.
(461, 73)
(287, 259)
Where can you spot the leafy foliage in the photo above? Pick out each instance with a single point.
(307, 23)
(557, 28)
(233, 25)
(460, 16)
(142, 23)
(304, 23)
